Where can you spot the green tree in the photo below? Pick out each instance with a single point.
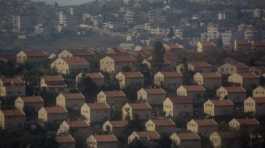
(187, 73)
(158, 55)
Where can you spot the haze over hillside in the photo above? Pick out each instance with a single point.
(66, 2)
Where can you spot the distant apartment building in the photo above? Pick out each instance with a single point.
(16, 22)
(212, 32)
(61, 21)
(249, 33)
(129, 17)
(227, 37)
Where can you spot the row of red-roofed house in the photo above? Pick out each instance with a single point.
(149, 100)
(80, 132)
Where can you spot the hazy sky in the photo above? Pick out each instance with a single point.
(66, 2)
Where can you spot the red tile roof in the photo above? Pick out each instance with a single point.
(55, 81)
(171, 74)
(32, 99)
(194, 88)
(53, 78)
(78, 124)
(13, 81)
(248, 121)
(95, 75)
(206, 122)
(119, 123)
(155, 91)
(181, 99)
(82, 52)
(123, 58)
(36, 53)
(186, 135)
(235, 89)
(13, 113)
(260, 100)
(163, 122)
(106, 138)
(65, 139)
(211, 75)
(223, 103)
(131, 75)
(99, 106)
(199, 65)
(115, 93)
(75, 61)
(54, 110)
(74, 96)
(249, 75)
(141, 106)
(149, 135)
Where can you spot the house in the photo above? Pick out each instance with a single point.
(224, 138)
(178, 105)
(2, 89)
(151, 138)
(116, 62)
(162, 125)
(218, 107)
(221, 92)
(202, 67)
(202, 126)
(11, 118)
(12, 87)
(65, 54)
(115, 98)
(70, 100)
(260, 106)
(60, 66)
(249, 79)
(53, 82)
(67, 65)
(209, 79)
(140, 110)
(234, 93)
(79, 129)
(190, 90)
(107, 64)
(95, 77)
(249, 105)
(185, 139)
(227, 69)
(51, 114)
(116, 127)
(83, 53)
(77, 64)
(95, 112)
(31, 55)
(102, 141)
(241, 67)
(249, 124)
(235, 78)
(167, 79)
(154, 96)
(180, 68)
(129, 78)
(65, 141)
(215, 139)
(34, 102)
(258, 92)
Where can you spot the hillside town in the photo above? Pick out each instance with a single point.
(180, 74)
